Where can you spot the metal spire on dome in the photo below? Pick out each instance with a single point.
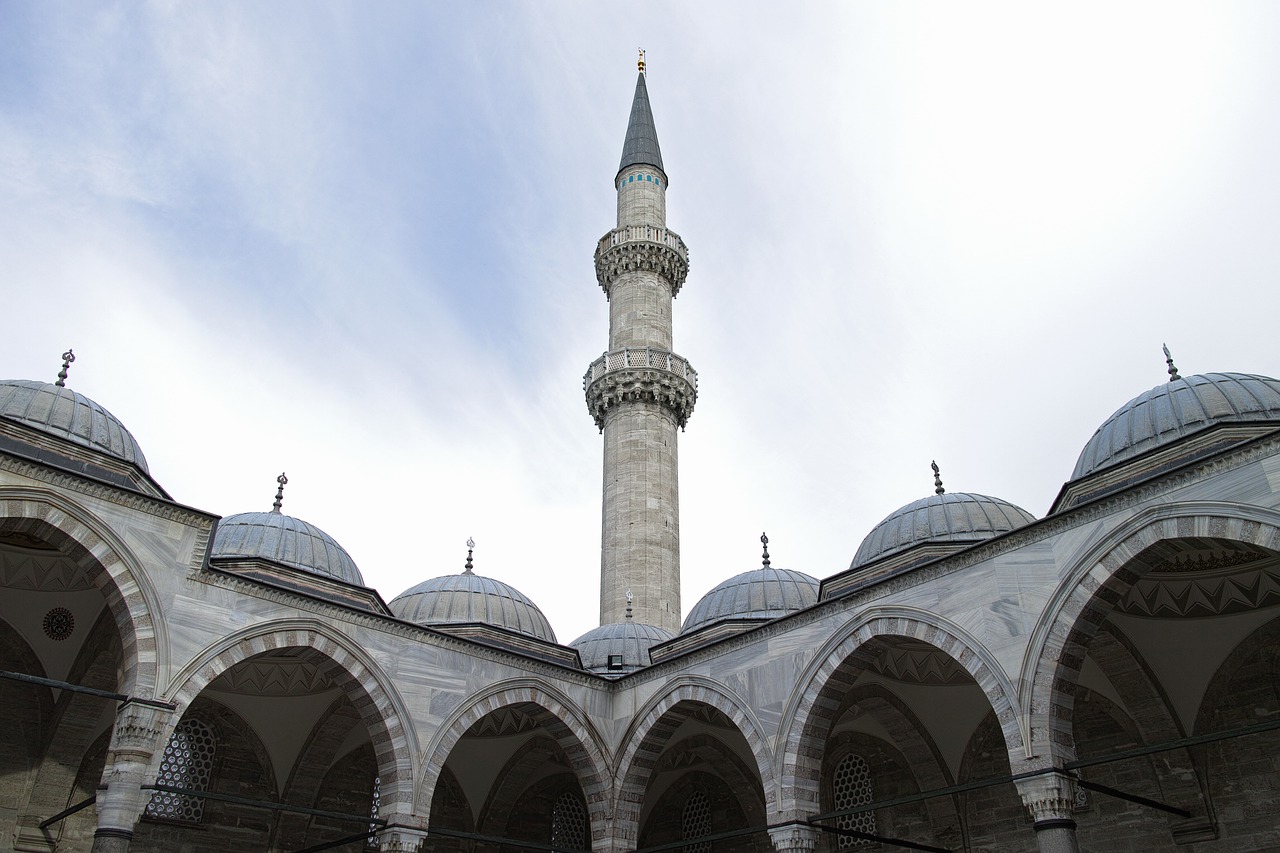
(282, 480)
(67, 358)
(937, 479)
(764, 540)
(471, 546)
(629, 589)
(1168, 359)
(641, 145)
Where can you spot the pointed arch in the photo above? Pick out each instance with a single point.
(799, 747)
(646, 738)
(566, 722)
(111, 566)
(346, 664)
(1091, 587)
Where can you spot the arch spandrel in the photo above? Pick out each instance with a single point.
(117, 572)
(1092, 585)
(568, 725)
(819, 686)
(371, 691)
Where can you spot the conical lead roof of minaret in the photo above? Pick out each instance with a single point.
(641, 147)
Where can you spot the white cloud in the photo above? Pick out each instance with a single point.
(356, 244)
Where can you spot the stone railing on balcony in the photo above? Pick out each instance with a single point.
(642, 247)
(647, 374)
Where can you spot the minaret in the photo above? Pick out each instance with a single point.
(639, 391)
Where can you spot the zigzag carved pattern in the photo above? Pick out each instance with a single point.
(274, 678)
(920, 666)
(503, 721)
(42, 571)
(679, 759)
(710, 716)
(1211, 596)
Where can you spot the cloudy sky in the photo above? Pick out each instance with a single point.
(353, 242)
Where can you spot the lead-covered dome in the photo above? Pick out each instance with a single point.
(58, 411)
(470, 598)
(949, 518)
(760, 594)
(1176, 410)
(286, 540)
(619, 647)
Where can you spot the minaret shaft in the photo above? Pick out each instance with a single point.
(640, 311)
(640, 529)
(640, 392)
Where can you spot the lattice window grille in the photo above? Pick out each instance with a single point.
(569, 823)
(375, 801)
(695, 822)
(852, 786)
(187, 763)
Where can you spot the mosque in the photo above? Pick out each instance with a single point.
(1104, 678)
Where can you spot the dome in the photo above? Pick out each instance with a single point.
(958, 517)
(59, 411)
(764, 593)
(631, 640)
(1175, 410)
(287, 540)
(471, 598)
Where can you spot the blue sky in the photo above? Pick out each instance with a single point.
(353, 242)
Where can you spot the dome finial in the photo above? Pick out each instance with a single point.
(937, 479)
(764, 540)
(282, 480)
(628, 604)
(471, 546)
(640, 61)
(1168, 359)
(67, 358)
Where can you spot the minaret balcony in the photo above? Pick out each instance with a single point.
(642, 247)
(641, 374)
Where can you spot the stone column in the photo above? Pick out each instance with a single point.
(1050, 797)
(121, 800)
(794, 838)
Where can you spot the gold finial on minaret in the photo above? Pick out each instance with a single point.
(640, 62)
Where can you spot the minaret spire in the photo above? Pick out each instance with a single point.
(640, 392)
(641, 145)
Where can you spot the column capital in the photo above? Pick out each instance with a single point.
(1050, 797)
(139, 728)
(794, 838)
(402, 838)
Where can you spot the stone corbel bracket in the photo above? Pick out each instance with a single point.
(652, 376)
(640, 248)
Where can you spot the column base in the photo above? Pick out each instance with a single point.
(107, 840)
